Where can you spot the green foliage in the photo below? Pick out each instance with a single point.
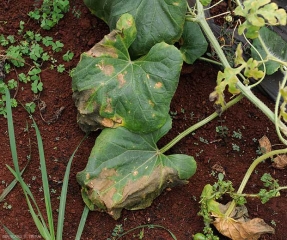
(33, 47)
(273, 186)
(257, 14)
(237, 134)
(46, 230)
(127, 170)
(30, 107)
(68, 56)
(222, 131)
(50, 12)
(111, 90)
(205, 2)
(156, 21)
(193, 42)
(276, 49)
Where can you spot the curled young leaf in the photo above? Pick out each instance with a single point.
(127, 170)
(111, 90)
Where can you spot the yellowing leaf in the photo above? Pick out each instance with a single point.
(224, 79)
(251, 66)
(257, 13)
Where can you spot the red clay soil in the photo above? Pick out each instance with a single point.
(175, 209)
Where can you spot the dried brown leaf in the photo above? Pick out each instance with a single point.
(265, 144)
(239, 227)
(280, 162)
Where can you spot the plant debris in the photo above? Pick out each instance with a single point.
(238, 226)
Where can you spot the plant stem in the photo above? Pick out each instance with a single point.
(277, 117)
(244, 89)
(248, 174)
(149, 226)
(282, 188)
(210, 61)
(198, 125)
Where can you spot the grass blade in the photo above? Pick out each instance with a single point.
(45, 182)
(37, 218)
(17, 174)
(11, 235)
(82, 223)
(9, 188)
(64, 194)
(11, 132)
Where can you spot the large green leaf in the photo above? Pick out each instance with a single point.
(127, 170)
(194, 44)
(156, 21)
(277, 48)
(111, 90)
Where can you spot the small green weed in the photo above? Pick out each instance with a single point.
(76, 12)
(237, 134)
(235, 147)
(50, 12)
(30, 47)
(222, 131)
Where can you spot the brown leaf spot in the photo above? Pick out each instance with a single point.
(106, 122)
(150, 102)
(109, 108)
(158, 85)
(101, 48)
(101, 184)
(108, 70)
(137, 194)
(121, 79)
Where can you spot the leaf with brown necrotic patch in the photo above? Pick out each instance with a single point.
(127, 171)
(111, 90)
(238, 226)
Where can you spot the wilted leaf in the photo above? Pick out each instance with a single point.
(280, 162)
(277, 47)
(265, 144)
(156, 21)
(194, 44)
(238, 226)
(111, 90)
(127, 170)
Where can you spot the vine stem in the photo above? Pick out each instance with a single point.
(249, 172)
(198, 125)
(245, 90)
